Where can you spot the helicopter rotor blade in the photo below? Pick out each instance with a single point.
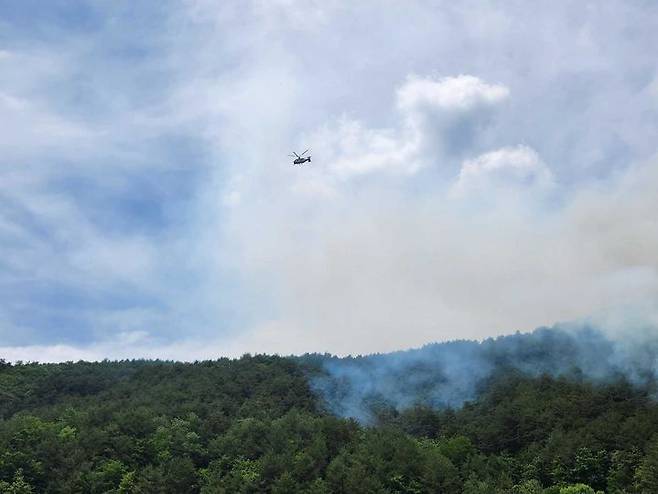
(305, 152)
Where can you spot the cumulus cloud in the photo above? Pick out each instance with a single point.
(447, 115)
(462, 93)
(352, 150)
(437, 121)
(507, 168)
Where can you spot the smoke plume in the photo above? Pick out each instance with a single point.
(449, 374)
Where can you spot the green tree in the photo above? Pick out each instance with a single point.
(107, 476)
(577, 489)
(128, 484)
(528, 487)
(646, 475)
(623, 465)
(590, 467)
(17, 486)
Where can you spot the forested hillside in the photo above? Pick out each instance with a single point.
(270, 424)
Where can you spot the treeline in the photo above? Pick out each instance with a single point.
(255, 425)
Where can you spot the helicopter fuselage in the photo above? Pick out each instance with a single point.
(300, 161)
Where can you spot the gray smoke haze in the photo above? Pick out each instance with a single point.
(449, 374)
(478, 168)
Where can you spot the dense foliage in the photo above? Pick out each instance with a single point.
(254, 425)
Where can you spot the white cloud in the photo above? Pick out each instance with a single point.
(350, 150)
(505, 169)
(463, 93)
(438, 119)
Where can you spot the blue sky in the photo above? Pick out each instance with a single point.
(478, 168)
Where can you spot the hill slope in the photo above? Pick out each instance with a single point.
(272, 424)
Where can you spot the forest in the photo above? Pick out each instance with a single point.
(297, 425)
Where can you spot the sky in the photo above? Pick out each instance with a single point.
(478, 168)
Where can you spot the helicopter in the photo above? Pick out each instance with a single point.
(298, 158)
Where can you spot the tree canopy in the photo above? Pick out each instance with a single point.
(255, 424)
